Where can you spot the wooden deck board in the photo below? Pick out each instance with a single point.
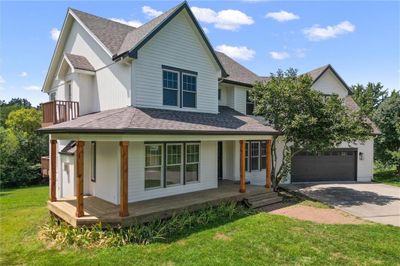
(97, 210)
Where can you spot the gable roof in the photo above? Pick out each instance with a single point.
(79, 62)
(134, 120)
(111, 33)
(318, 73)
(238, 74)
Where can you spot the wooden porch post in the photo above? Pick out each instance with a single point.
(79, 178)
(242, 167)
(268, 164)
(123, 184)
(53, 165)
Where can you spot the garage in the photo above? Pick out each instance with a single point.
(332, 165)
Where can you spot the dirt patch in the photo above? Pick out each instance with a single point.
(318, 215)
(222, 236)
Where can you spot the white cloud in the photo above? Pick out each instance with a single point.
(54, 34)
(32, 88)
(2, 80)
(236, 52)
(300, 52)
(317, 33)
(132, 23)
(151, 12)
(205, 30)
(228, 19)
(282, 16)
(279, 55)
(23, 74)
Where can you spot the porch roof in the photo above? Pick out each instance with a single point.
(134, 120)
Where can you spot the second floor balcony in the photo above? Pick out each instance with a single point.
(55, 112)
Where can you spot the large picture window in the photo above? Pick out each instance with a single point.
(170, 88)
(192, 162)
(153, 166)
(189, 88)
(174, 164)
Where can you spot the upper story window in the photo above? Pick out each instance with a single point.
(249, 104)
(189, 90)
(179, 87)
(52, 96)
(170, 88)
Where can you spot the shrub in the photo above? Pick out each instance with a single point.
(155, 231)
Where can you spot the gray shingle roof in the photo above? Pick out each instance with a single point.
(79, 62)
(237, 73)
(112, 34)
(158, 121)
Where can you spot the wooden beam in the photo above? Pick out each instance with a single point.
(53, 170)
(242, 167)
(268, 164)
(79, 178)
(123, 184)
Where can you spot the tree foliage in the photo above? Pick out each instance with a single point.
(20, 145)
(308, 120)
(369, 97)
(387, 118)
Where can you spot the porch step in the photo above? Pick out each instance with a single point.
(262, 199)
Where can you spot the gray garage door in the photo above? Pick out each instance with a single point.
(334, 165)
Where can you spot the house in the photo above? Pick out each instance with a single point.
(152, 118)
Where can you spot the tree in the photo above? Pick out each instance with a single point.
(387, 118)
(369, 97)
(308, 120)
(13, 105)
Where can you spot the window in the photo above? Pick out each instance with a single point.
(249, 104)
(246, 156)
(255, 155)
(174, 164)
(68, 92)
(153, 166)
(189, 88)
(219, 94)
(263, 155)
(192, 162)
(170, 88)
(93, 161)
(53, 96)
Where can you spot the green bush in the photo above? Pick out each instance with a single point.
(155, 231)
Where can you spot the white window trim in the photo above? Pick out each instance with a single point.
(177, 89)
(195, 99)
(198, 163)
(181, 164)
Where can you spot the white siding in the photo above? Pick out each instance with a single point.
(67, 179)
(328, 83)
(177, 45)
(208, 173)
(110, 86)
(240, 99)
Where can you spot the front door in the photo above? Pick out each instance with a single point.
(220, 173)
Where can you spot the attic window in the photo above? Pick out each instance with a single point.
(249, 104)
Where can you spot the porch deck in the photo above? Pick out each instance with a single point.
(97, 210)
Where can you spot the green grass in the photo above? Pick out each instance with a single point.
(387, 176)
(258, 239)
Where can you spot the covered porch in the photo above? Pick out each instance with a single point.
(97, 210)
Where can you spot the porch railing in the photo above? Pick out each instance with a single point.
(55, 112)
(45, 165)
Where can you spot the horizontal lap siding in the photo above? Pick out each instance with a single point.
(176, 45)
(136, 191)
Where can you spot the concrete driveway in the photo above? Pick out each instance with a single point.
(375, 202)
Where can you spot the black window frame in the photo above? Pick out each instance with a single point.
(181, 92)
(171, 88)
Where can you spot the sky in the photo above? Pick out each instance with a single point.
(360, 39)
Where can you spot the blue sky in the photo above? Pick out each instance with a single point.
(360, 39)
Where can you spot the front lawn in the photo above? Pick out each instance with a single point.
(258, 239)
(387, 176)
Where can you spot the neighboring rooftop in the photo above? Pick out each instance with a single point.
(148, 120)
(79, 62)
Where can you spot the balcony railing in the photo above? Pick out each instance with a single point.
(55, 112)
(45, 166)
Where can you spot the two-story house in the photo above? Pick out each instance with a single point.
(139, 114)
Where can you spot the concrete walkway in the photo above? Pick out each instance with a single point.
(375, 202)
